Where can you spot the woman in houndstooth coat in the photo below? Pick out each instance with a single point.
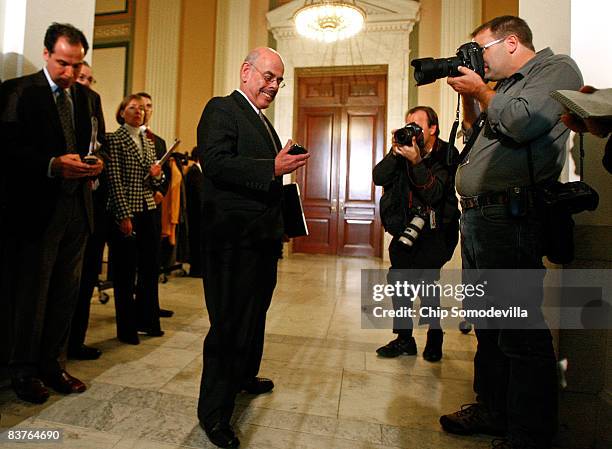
(134, 239)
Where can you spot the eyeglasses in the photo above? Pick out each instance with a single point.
(91, 79)
(269, 78)
(490, 44)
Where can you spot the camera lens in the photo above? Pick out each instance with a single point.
(403, 136)
(427, 70)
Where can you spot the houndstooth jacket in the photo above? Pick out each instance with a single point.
(126, 170)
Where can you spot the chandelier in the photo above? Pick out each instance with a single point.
(329, 20)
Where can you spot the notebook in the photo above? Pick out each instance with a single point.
(598, 104)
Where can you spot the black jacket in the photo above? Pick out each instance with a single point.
(427, 185)
(241, 196)
(31, 135)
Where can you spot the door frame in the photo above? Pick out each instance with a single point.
(344, 70)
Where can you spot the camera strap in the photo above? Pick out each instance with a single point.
(476, 128)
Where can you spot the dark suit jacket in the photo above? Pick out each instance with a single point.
(31, 136)
(241, 196)
(160, 150)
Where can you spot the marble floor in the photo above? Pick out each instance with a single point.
(332, 391)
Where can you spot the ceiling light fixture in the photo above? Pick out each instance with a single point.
(329, 20)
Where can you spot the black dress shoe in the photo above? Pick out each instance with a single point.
(258, 385)
(433, 347)
(129, 339)
(62, 382)
(398, 347)
(151, 332)
(222, 435)
(30, 389)
(165, 313)
(84, 352)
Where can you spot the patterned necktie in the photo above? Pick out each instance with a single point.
(65, 113)
(263, 119)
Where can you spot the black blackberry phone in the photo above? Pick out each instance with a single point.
(296, 149)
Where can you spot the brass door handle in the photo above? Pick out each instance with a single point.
(334, 205)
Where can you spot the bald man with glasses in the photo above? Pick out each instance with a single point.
(243, 163)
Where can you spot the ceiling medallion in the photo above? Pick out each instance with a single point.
(329, 20)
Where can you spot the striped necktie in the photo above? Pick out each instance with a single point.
(64, 108)
(265, 122)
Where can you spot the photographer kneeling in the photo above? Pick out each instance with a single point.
(419, 208)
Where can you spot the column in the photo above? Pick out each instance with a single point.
(232, 43)
(161, 78)
(458, 19)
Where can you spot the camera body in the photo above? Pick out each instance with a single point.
(427, 70)
(403, 136)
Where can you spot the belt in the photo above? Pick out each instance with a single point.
(486, 199)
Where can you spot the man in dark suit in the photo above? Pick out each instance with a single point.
(243, 165)
(194, 180)
(92, 259)
(46, 125)
(162, 187)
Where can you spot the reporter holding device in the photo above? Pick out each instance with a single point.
(134, 241)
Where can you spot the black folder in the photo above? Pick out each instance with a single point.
(293, 212)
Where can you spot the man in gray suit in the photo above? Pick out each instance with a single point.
(46, 130)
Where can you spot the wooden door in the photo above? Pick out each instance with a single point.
(341, 122)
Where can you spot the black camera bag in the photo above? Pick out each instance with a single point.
(560, 201)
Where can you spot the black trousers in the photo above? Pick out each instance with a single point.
(46, 272)
(515, 375)
(420, 262)
(92, 267)
(238, 288)
(135, 262)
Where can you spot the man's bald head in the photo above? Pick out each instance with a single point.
(261, 75)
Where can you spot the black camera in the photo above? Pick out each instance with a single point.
(403, 136)
(296, 149)
(427, 70)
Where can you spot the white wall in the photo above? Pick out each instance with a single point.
(549, 21)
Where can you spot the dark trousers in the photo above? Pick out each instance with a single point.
(238, 288)
(420, 262)
(47, 270)
(514, 369)
(135, 262)
(92, 267)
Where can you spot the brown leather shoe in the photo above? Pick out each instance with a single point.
(30, 389)
(62, 382)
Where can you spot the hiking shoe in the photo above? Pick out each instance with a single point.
(472, 418)
(398, 347)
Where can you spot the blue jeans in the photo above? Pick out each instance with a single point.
(514, 370)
